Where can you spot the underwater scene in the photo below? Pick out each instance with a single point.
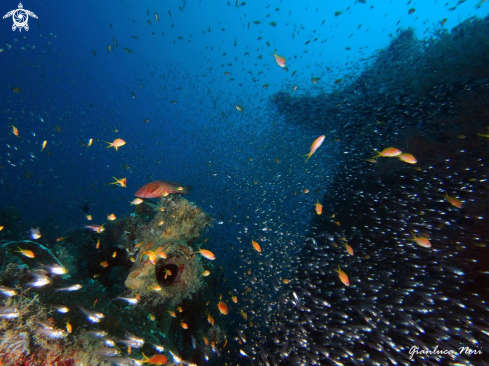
(214, 182)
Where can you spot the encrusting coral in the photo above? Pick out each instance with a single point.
(166, 268)
(22, 341)
(152, 252)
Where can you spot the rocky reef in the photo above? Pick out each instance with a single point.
(166, 269)
(135, 272)
(429, 98)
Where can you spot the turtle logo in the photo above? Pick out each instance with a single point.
(20, 17)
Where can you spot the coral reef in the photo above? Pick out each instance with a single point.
(22, 342)
(148, 256)
(166, 268)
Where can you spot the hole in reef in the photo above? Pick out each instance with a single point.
(167, 273)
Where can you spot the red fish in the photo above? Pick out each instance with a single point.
(161, 188)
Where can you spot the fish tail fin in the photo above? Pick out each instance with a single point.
(376, 156)
(110, 144)
(308, 156)
(145, 359)
(186, 189)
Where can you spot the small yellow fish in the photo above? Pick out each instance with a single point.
(256, 246)
(389, 152)
(160, 253)
(44, 145)
(421, 241)
(154, 288)
(116, 144)
(151, 256)
(343, 277)
(207, 254)
(28, 253)
(122, 182)
(68, 326)
(319, 208)
(280, 60)
(453, 201)
(315, 145)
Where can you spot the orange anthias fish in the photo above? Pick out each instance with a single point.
(389, 152)
(207, 254)
(158, 359)
(223, 308)
(453, 201)
(69, 328)
(407, 158)
(161, 188)
(160, 253)
(280, 60)
(151, 256)
(210, 319)
(349, 249)
(116, 144)
(315, 145)
(172, 314)
(319, 208)
(421, 241)
(256, 246)
(28, 253)
(343, 277)
(122, 182)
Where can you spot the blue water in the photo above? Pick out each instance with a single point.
(89, 96)
(201, 140)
